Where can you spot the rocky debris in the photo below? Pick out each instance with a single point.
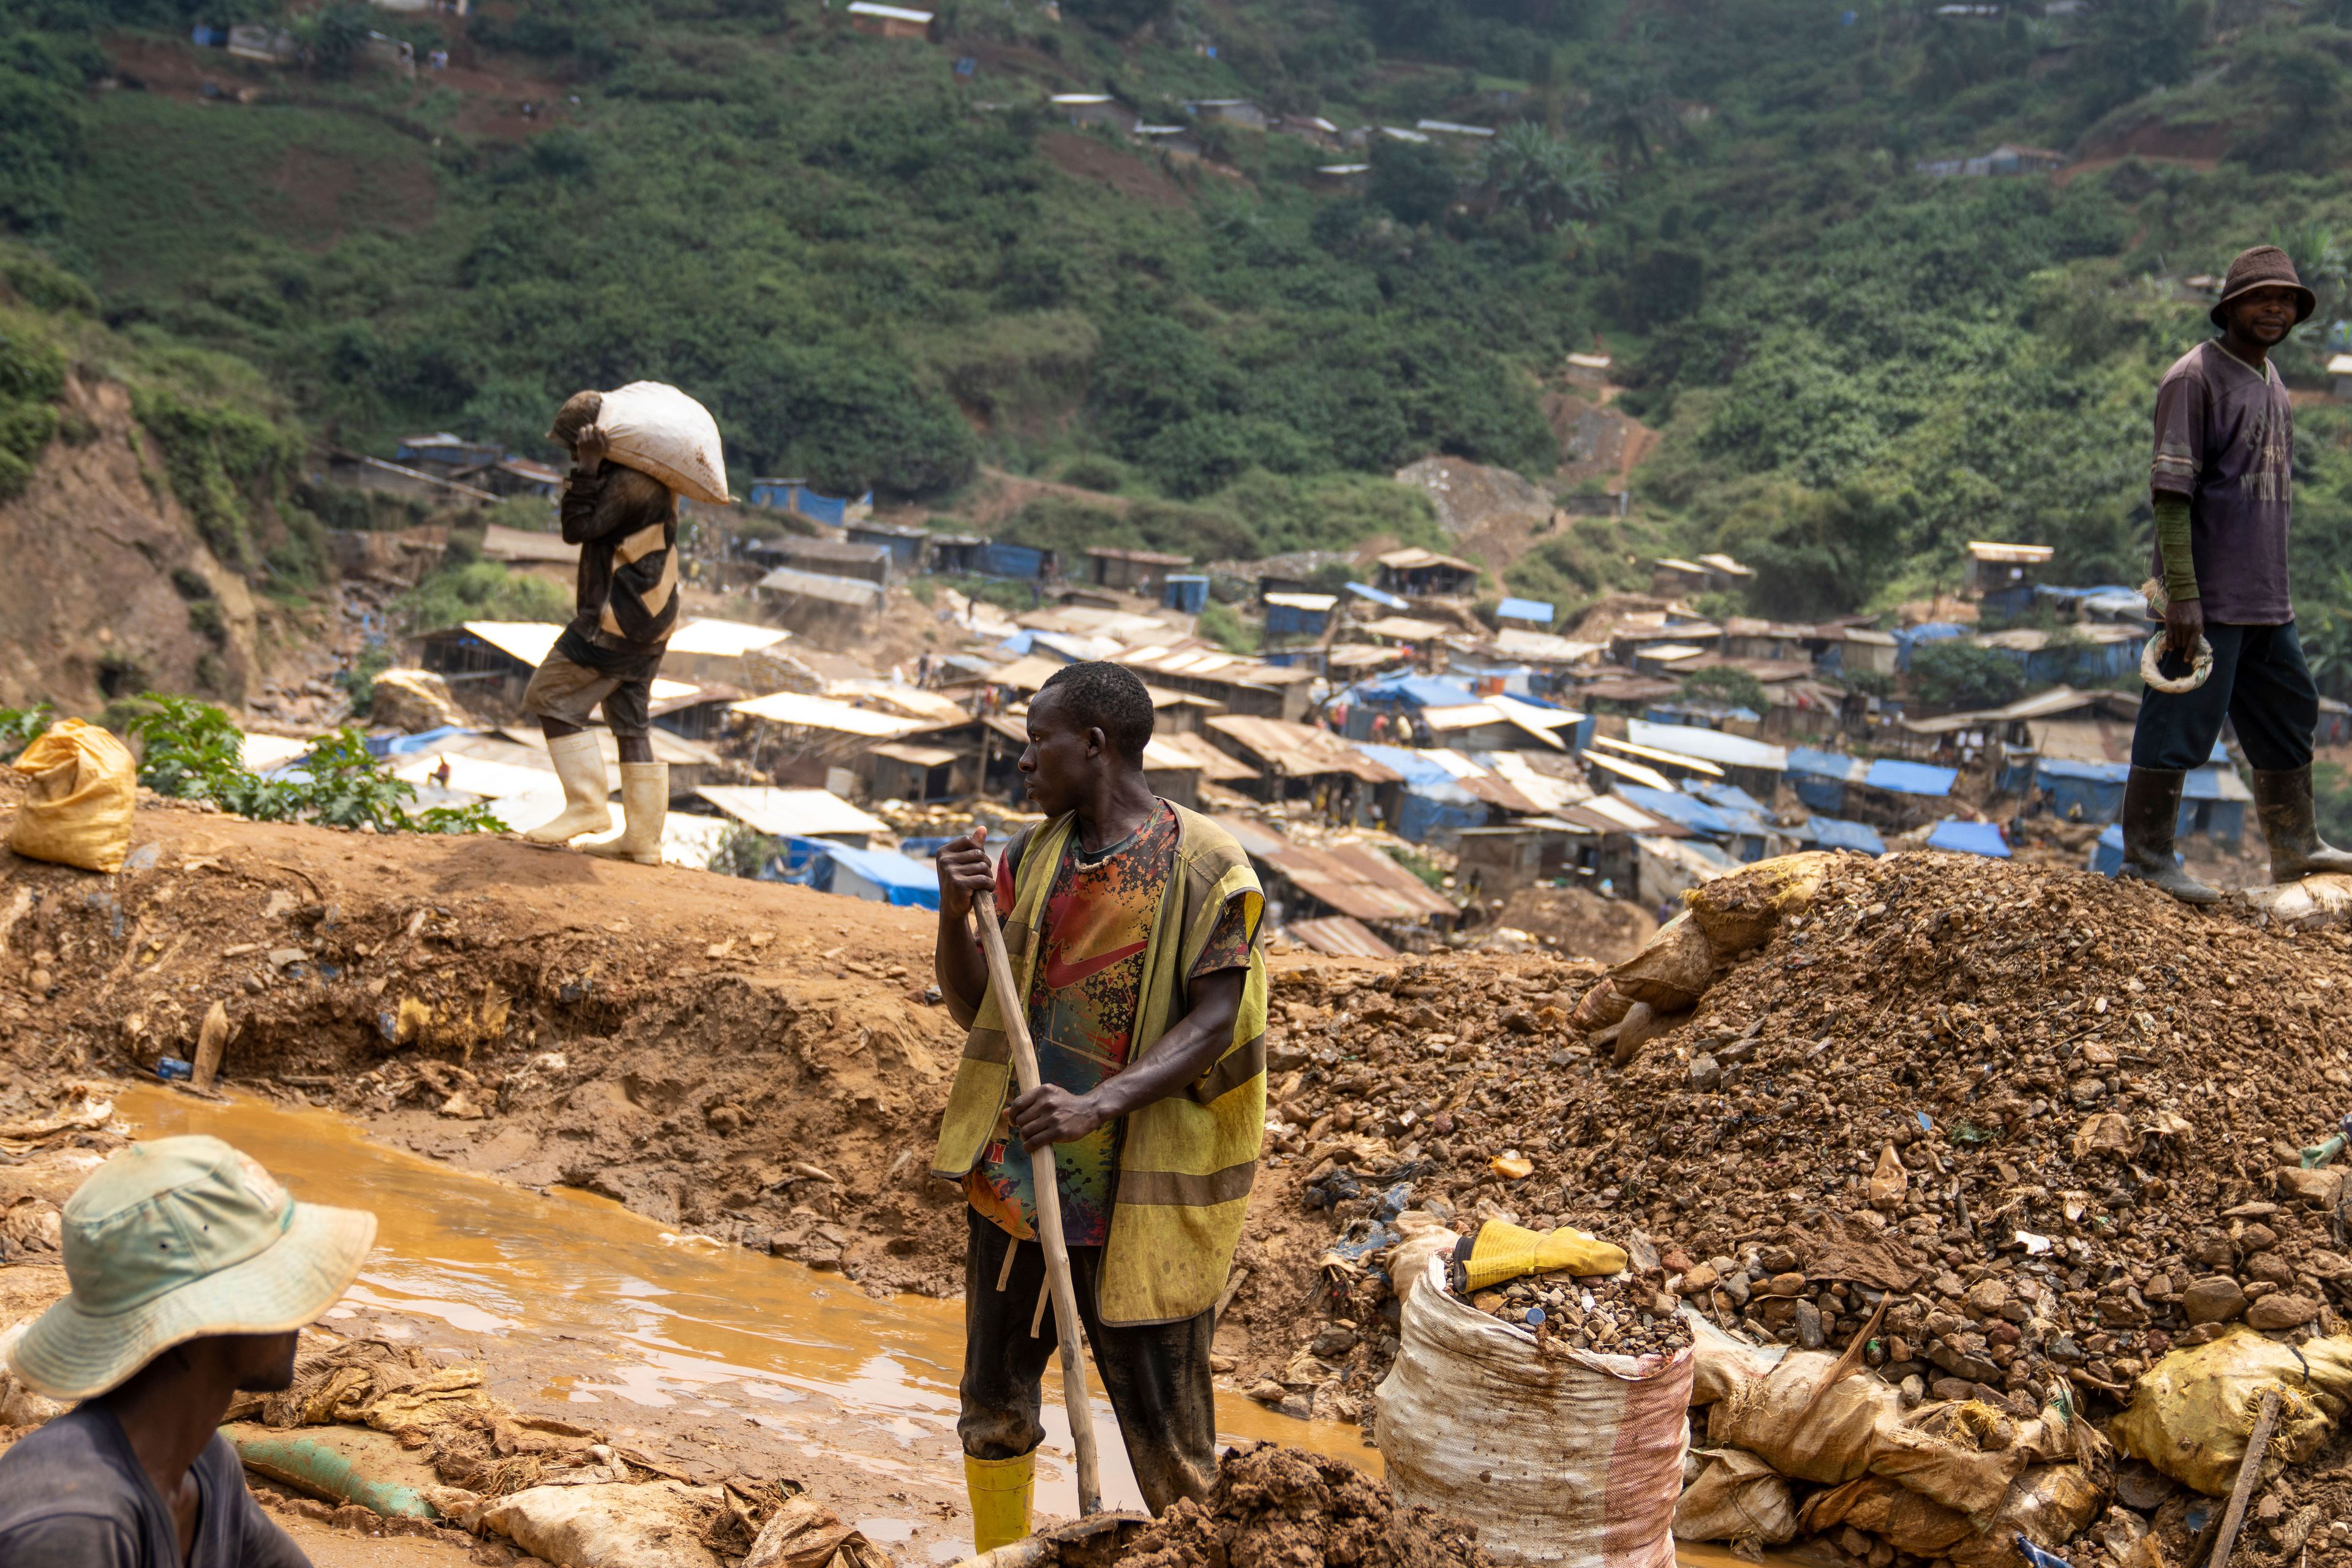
(1613, 1315)
(1274, 1505)
(2051, 1122)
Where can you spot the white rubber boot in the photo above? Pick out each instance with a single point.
(581, 766)
(644, 803)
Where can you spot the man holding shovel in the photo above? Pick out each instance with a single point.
(2220, 483)
(1130, 925)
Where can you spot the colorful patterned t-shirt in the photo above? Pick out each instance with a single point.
(1092, 933)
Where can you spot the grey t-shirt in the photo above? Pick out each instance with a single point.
(2225, 438)
(73, 1495)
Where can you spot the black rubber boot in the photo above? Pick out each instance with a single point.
(2283, 802)
(2151, 813)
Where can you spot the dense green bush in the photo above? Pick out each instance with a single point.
(478, 590)
(193, 750)
(1957, 673)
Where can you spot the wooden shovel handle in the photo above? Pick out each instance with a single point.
(1075, 1402)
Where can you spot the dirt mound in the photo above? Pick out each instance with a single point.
(116, 590)
(1581, 923)
(1285, 1506)
(750, 1061)
(2049, 1119)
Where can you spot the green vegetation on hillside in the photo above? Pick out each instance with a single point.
(880, 273)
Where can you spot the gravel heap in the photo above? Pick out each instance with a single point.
(1284, 1506)
(2051, 1121)
(1614, 1317)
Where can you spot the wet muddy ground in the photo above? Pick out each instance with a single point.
(705, 1356)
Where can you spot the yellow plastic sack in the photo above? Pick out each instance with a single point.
(1507, 1251)
(2192, 1413)
(1741, 911)
(84, 788)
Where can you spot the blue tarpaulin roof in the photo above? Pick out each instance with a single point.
(1420, 690)
(408, 745)
(1970, 839)
(1689, 811)
(1683, 810)
(1421, 776)
(1525, 610)
(1731, 796)
(2207, 783)
(1366, 591)
(903, 880)
(2100, 772)
(1910, 778)
(1833, 833)
(1826, 765)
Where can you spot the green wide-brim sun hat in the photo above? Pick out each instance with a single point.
(292, 1261)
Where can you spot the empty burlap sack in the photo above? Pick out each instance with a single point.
(82, 790)
(1673, 971)
(1735, 1496)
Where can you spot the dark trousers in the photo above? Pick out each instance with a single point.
(1157, 1376)
(2259, 681)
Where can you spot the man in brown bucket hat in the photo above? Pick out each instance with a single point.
(2220, 482)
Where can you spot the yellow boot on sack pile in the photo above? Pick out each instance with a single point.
(1000, 1499)
(645, 802)
(579, 765)
(1507, 1251)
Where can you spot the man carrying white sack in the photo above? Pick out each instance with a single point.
(624, 520)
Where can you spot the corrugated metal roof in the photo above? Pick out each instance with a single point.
(727, 639)
(1712, 746)
(920, 756)
(799, 813)
(1181, 749)
(823, 713)
(1658, 754)
(1360, 882)
(1298, 750)
(1338, 936)
(854, 591)
(500, 542)
(1625, 768)
(526, 640)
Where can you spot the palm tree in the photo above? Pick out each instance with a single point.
(1629, 110)
(1548, 177)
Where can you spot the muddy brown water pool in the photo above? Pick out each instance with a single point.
(672, 1318)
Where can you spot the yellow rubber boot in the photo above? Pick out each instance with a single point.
(579, 765)
(644, 803)
(1000, 1499)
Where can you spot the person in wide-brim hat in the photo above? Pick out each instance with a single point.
(2262, 267)
(2221, 496)
(190, 1270)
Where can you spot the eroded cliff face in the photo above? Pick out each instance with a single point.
(105, 587)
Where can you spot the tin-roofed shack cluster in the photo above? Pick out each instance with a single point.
(1413, 756)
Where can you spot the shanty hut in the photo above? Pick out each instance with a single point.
(1419, 573)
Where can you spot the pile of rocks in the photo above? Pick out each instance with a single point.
(2050, 1122)
(1611, 1316)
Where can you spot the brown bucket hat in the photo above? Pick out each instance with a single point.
(2263, 266)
